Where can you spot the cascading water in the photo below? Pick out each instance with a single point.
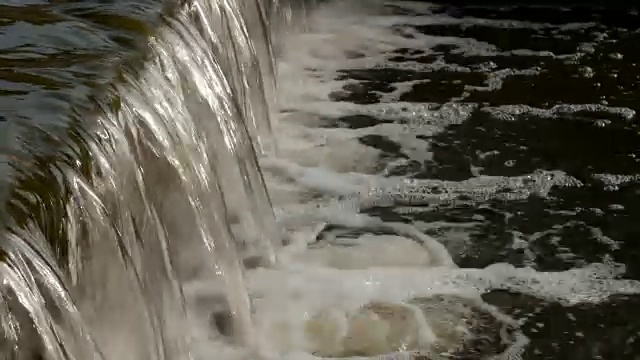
(150, 234)
(164, 187)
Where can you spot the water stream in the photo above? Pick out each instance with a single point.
(207, 214)
(168, 169)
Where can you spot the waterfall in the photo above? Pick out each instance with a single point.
(144, 229)
(163, 186)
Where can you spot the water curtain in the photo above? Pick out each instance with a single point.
(164, 187)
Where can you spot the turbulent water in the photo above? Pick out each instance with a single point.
(298, 180)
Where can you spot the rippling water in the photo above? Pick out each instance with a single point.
(426, 181)
(56, 55)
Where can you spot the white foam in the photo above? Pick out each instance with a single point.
(309, 306)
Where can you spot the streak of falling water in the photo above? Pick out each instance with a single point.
(166, 186)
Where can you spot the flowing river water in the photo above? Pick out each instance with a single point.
(242, 179)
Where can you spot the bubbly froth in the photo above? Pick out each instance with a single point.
(213, 214)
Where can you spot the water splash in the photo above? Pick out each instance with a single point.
(149, 215)
(165, 186)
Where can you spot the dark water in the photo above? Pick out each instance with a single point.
(55, 56)
(57, 62)
(598, 147)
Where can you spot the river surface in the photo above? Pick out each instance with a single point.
(55, 56)
(553, 89)
(522, 121)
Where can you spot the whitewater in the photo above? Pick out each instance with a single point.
(214, 212)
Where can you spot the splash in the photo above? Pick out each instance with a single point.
(173, 227)
(165, 186)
